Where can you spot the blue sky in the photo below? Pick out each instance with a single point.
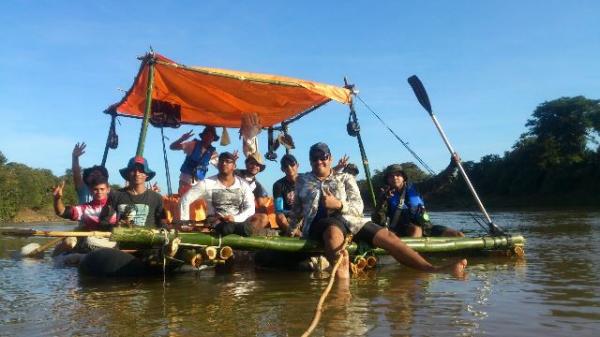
(486, 65)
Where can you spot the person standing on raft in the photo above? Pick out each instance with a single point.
(330, 207)
(199, 154)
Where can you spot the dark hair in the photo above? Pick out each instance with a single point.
(288, 159)
(351, 169)
(95, 181)
(89, 170)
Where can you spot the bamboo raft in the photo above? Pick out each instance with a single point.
(137, 238)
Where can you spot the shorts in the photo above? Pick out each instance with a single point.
(240, 228)
(366, 233)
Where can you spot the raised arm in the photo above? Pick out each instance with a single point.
(59, 206)
(176, 145)
(78, 150)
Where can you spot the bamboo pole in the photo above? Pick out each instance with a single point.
(225, 253)
(363, 153)
(145, 237)
(27, 232)
(148, 109)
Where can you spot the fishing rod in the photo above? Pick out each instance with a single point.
(405, 144)
(475, 217)
(423, 99)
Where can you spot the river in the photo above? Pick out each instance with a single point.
(554, 291)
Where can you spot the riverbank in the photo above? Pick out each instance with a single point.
(31, 215)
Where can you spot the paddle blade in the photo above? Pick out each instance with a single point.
(420, 92)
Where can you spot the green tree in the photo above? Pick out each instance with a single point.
(562, 128)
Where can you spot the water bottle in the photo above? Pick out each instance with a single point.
(279, 205)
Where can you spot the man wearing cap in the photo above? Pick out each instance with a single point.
(135, 204)
(330, 207)
(199, 154)
(229, 199)
(254, 165)
(401, 208)
(284, 191)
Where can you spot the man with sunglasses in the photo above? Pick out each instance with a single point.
(330, 207)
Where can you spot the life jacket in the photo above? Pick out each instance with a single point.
(196, 164)
(410, 208)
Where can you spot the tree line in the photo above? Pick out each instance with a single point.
(555, 163)
(23, 187)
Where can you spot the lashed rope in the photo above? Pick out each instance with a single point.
(327, 290)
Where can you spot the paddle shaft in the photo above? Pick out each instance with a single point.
(462, 171)
(423, 99)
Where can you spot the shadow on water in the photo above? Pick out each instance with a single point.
(554, 292)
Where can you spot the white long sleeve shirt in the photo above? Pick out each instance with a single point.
(236, 200)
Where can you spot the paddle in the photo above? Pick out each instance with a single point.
(34, 249)
(421, 94)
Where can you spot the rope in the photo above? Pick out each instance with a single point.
(405, 144)
(319, 308)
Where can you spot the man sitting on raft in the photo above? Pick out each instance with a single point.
(229, 199)
(95, 215)
(330, 207)
(135, 204)
(401, 208)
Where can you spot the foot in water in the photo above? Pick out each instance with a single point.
(456, 269)
(343, 271)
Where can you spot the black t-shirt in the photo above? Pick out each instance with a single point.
(283, 188)
(144, 209)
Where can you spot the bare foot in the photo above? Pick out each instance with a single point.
(343, 271)
(457, 269)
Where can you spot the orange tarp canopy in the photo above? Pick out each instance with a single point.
(220, 97)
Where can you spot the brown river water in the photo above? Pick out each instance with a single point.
(555, 291)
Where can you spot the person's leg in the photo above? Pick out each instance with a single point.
(259, 221)
(333, 241)
(186, 200)
(439, 230)
(453, 233)
(407, 256)
(414, 231)
(282, 222)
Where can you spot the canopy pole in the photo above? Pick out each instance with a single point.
(108, 139)
(363, 153)
(148, 109)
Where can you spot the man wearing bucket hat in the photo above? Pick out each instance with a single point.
(402, 209)
(254, 165)
(199, 154)
(135, 204)
(330, 207)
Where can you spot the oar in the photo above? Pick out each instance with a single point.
(421, 94)
(37, 249)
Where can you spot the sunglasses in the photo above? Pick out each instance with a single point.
(320, 156)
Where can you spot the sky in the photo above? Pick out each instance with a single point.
(486, 66)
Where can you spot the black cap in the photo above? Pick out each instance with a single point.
(226, 155)
(288, 160)
(319, 147)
